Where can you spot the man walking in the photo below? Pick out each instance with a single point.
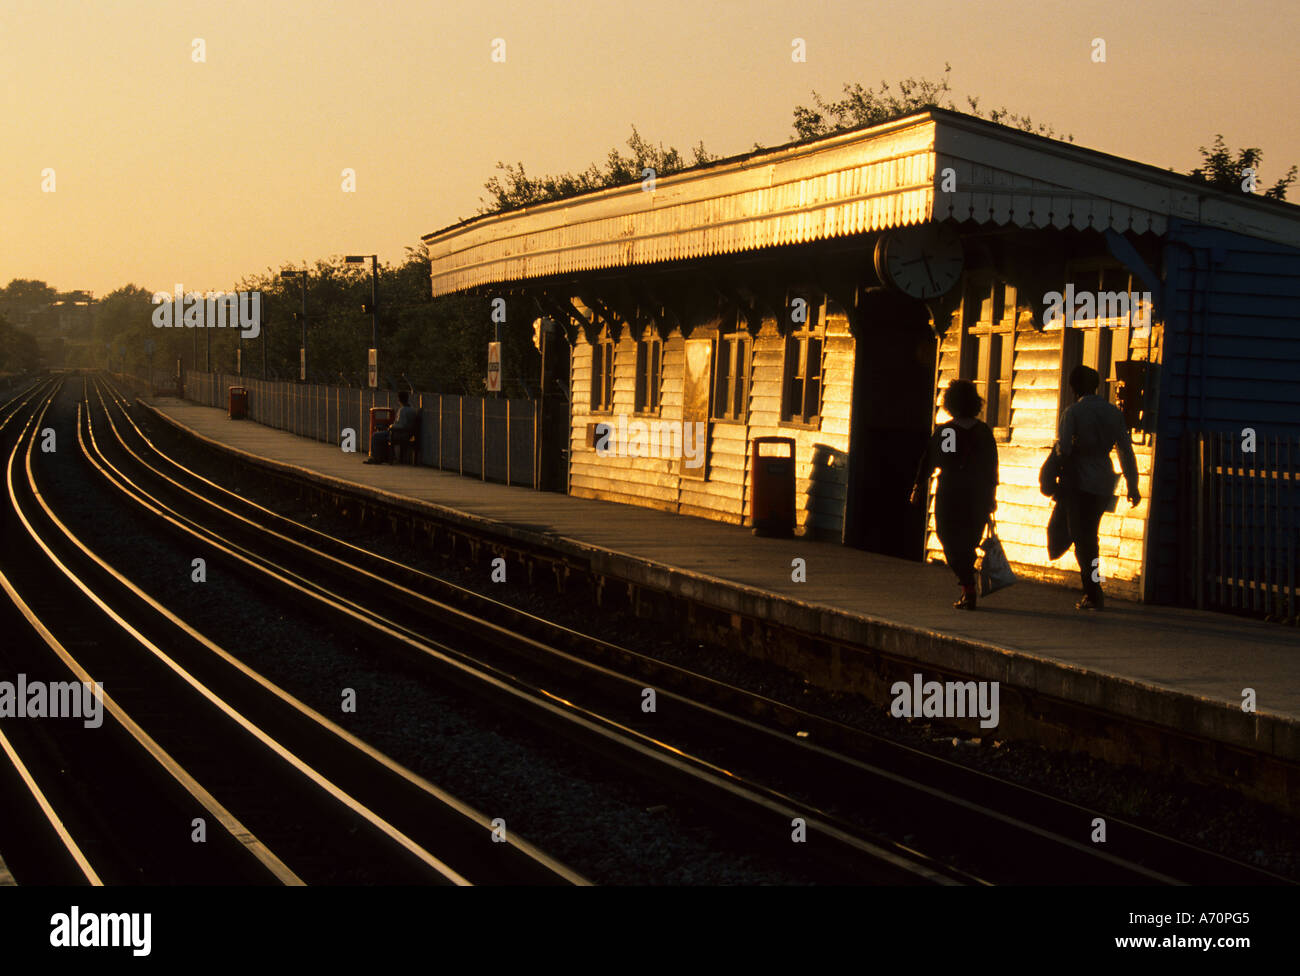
(1090, 428)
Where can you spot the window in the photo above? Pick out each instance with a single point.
(731, 375)
(1099, 336)
(802, 401)
(602, 373)
(649, 372)
(988, 340)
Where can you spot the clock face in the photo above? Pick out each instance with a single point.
(923, 262)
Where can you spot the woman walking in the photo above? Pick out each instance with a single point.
(966, 455)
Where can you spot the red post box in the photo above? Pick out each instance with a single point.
(238, 402)
(381, 418)
(772, 487)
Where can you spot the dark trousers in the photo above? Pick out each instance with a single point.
(959, 536)
(1084, 511)
(384, 440)
(399, 439)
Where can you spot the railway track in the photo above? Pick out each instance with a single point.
(974, 827)
(734, 802)
(33, 833)
(302, 801)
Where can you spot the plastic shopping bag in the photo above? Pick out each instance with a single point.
(994, 568)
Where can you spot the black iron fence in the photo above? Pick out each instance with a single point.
(1241, 522)
(491, 439)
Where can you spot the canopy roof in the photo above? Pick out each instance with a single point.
(889, 175)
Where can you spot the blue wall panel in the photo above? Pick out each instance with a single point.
(1231, 359)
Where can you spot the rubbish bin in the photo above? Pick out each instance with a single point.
(238, 402)
(772, 487)
(380, 418)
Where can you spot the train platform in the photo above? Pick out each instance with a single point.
(1153, 666)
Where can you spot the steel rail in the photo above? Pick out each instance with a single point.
(241, 834)
(459, 807)
(548, 706)
(446, 799)
(521, 621)
(790, 715)
(24, 773)
(228, 821)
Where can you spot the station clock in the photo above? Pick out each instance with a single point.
(923, 262)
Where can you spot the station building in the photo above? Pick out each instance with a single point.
(827, 291)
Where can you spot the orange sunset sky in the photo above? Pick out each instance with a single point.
(169, 171)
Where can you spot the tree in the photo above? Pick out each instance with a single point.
(517, 189)
(430, 344)
(123, 318)
(18, 349)
(1224, 172)
(862, 107)
(27, 292)
(859, 107)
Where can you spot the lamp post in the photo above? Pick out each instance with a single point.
(374, 312)
(302, 351)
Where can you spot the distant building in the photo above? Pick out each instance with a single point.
(828, 291)
(74, 315)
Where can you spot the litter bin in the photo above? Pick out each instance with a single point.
(238, 402)
(772, 487)
(380, 418)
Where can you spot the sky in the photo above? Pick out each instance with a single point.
(170, 170)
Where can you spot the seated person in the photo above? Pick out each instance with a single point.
(403, 431)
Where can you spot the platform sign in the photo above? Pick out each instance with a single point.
(374, 369)
(302, 363)
(494, 367)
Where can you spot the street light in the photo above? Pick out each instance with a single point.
(302, 352)
(374, 312)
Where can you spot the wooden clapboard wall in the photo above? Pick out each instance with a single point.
(821, 470)
(647, 481)
(1039, 392)
(821, 452)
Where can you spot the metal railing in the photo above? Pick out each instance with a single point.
(1242, 522)
(490, 439)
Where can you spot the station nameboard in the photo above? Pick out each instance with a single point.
(494, 367)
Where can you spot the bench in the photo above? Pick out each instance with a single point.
(400, 442)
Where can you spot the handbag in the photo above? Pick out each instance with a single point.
(1058, 532)
(1049, 475)
(994, 567)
